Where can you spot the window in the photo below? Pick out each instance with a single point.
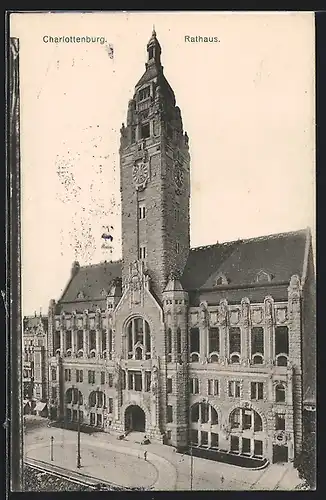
(179, 350)
(169, 414)
(204, 413)
(79, 375)
(102, 378)
(91, 376)
(246, 446)
(54, 393)
(54, 374)
(80, 336)
(141, 211)
(280, 393)
(69, 414)
(110, 405)
(257, 390)
(145, 92)
(194, 340)
(74, 415)
(133, 135)
(177, 214)
(110, 379)
(235, 444)
(214, 340)
(257, 340)
(177, 247)
(235, 419)
(134, 381)
(92, 340)
(92, 419)
(280, 422)
(142, 252)
(258, 448)
(195, 413)
(169, 345)
(213, 388)
(148, 381)
(145, 131)
(204, 438)
(67, 374)
(235, 340)
(234, 389)
(214, 440)
(169, 385)
(194, 385)
(68, 339)
(281, 360)
(281, 340)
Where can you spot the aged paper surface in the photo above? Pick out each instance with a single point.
(245, 87)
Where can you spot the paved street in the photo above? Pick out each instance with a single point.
(122, 462)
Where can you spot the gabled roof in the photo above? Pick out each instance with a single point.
(280, 255)
(32, 322)
(91, 280)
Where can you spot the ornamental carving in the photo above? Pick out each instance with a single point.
(154, 381)
(203, 314)
(234, 316)
(257, 316)
(268, 306)
(281, 315)
(140, 174)
(245, 310)
(223, 311)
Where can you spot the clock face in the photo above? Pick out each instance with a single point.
(140, 174)
(178, 176)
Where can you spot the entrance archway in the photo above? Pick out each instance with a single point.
(134, 419)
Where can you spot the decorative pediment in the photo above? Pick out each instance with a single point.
(80, 295)
(221, 279)
(263, 277)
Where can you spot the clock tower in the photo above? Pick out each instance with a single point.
(155, 178)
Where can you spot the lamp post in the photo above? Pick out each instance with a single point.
(51, 447)
(78, 434)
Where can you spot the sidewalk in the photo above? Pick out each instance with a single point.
(122, 462)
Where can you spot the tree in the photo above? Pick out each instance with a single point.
(306, 461)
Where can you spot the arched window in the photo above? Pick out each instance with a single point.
(138, 333)
(72, 395)
(242, 419)
(280, 393)
(92, 354)
(213, 358)
(194, 357)
(204, 435)
(235, 358)
(282, 360)
(97, 399)
(68, 353)
(80, 353)
(257, 359)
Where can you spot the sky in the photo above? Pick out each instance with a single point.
(247, 104)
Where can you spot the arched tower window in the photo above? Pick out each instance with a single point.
(139, 339)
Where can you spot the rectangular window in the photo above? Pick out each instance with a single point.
(234, 389)
(99, 420)
(110, 379)
(169, 414)
(91, 376)
(214, 340)
(54, 374)
(145, 131)
(74, 415)
(54, 393)
(258, 448)
(204, 438)
(142, 252)
(169, 385)
(246, 446)
(257, 341)
(79, 375)
(214, 440)
(144, 93)
(67, 375)
(257, 390)
(92, 419)
(69, 414)
(194, 385)
(194, 340)
(280, 422)
(102, 378)
(213, 388)
(141, 211)
(246, 419)
(81, 416)
(138, 382)
(110, 405)
(130, 381)
(235, 340)
(147, 381)
(281, 340)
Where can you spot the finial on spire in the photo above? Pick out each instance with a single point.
(153, 32)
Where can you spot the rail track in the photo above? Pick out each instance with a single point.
(75, 477)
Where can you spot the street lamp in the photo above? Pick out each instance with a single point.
(51, 447)
(78, 434)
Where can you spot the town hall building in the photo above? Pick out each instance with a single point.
(211, 346)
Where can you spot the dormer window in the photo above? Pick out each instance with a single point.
(263, 277)
(144, 93)
(221, 279)
(80, 295)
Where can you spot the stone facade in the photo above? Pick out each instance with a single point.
(187, 345)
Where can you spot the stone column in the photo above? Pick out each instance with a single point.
(223, 322)
(73, 340)
(269, 329)
(98, 343)
(85, 343)
(62, 342)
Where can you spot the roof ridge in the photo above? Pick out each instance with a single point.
(101, 263)
(254, 238)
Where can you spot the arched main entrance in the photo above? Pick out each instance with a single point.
(134, 419)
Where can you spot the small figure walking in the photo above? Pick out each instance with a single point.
(145, 455)
(222, 479)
